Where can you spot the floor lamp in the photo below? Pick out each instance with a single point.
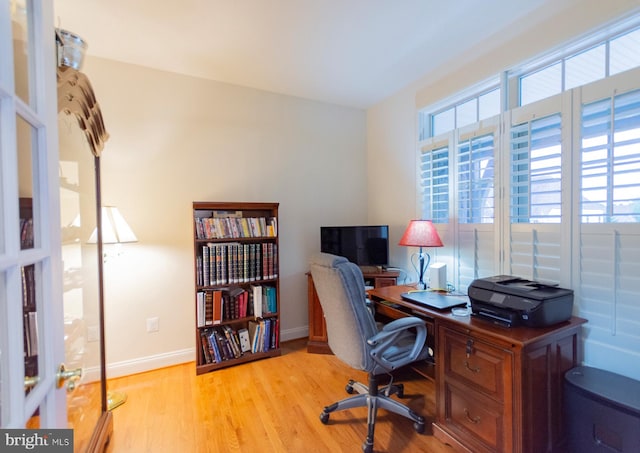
(420, 233)
(115, 230)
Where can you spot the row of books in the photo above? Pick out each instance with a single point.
(28, 275)
(30, 333)
(26, 233)
(235, 227)
(264, 334)
(228, 263)
(225, 343)
(226, 304)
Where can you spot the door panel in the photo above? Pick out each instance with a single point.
(30, 269)
(22, 48)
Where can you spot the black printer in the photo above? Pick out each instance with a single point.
(513, 301)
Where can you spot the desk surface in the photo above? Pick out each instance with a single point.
(391, 297)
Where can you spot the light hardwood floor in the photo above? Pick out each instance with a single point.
(271, 405)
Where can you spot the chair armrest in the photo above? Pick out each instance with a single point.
(395, 326)
(403, 323)
(393, 332)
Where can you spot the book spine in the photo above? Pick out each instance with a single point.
(208, 308)
(212, 264)
(211, 337)
(206, 348)
(217, 303)
(200, 298)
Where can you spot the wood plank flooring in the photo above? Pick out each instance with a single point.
(271, 405)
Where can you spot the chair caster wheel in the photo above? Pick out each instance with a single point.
(367, 448)
(419, 426)
(349, 387)
(400, 392)
(324, 418)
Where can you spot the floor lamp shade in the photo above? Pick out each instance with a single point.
(115, 229)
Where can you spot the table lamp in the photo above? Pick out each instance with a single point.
(420, 233)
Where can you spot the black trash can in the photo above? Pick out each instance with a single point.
(602, 411)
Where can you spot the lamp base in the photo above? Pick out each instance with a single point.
(115, 399)
(420, 265)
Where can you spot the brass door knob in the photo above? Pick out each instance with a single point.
(30, 382)
(71, 377)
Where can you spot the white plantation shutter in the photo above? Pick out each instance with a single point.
(457, 177)
(476, 253)
(535, 252)
(475, 175)
(434, 180)
(610, 157)
(536, 171)
(607, 232)
(537, 245)
(608, 291)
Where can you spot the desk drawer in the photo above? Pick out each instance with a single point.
(483, 418)
(481, 366)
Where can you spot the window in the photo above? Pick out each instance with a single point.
(475, 180)
(489, 104)
(481, 105)
(444, 122)
(585, 64)
(541, 84)
(434, 178)
(550, 190)
(536, 171)
(624, 52)
(610, 160)
(466, 113)
(585, 67)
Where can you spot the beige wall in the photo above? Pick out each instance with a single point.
(175, 140)
(392, 168)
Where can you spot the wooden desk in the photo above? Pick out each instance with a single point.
(498, 389)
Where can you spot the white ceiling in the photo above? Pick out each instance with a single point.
(347, 52)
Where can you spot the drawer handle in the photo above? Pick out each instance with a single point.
(473, 370)
(474, 420)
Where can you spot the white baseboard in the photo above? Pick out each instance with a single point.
(142, 364)
(294, 334)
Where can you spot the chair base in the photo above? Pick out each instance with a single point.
(374, 398)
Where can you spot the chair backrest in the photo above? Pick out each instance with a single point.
(340, 287)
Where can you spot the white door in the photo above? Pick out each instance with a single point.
(31, 310)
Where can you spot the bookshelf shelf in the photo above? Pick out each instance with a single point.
(237, 287)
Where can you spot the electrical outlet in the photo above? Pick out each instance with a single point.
(153, 324)
(93, 333)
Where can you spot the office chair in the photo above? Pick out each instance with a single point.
(355, 339)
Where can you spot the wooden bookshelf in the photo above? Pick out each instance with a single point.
(29, 305)
(237, 286)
